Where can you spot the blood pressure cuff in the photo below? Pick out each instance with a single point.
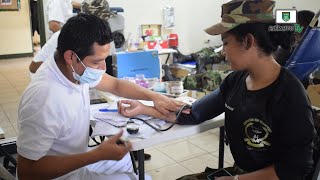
(204, 109)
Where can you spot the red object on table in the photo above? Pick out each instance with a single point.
(173, 40)
(151, 45)
(163, 44)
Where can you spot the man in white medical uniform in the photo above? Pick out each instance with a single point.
(54, 109)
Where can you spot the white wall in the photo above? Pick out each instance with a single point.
(15, 31)
(313, 5)
(191, 17)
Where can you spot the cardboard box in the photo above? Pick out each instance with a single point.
(313, 92)
(179, 72)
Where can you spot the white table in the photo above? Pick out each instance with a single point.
(168, 52)
(177, 131)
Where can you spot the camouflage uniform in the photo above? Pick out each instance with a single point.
(240, 12)
(98, 8)
(207, 81)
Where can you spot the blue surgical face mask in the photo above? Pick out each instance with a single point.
(89, 76)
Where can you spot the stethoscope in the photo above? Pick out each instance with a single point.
(186, 106)
(131, 120)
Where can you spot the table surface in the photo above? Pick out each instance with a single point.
(177, 131)
(167, 51)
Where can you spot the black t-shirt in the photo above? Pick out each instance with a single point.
(272, 125)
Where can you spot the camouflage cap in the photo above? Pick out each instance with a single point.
(99, 8)
(238, 12)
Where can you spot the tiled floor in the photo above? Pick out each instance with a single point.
(169, 160)
(14, 78)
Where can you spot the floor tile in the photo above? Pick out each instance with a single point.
(198, 164)
(6, 90)
(227, 155)
(2, 78)
(3, 116)
(5, 84)
(149, 149)
(11, 99)
(198, 135)
(171, 172)
(215, 131)
(209, 142)
(169, 143)
(14, 125)
(11, 111)
(158, 160)
(9, 132)
(182, 151)
(21, 89)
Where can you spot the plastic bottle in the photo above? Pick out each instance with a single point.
(141, 80)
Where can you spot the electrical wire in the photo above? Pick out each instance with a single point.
(186, 106)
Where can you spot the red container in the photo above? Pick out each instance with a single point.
(173, 40)
(164, 44)
(151, 45)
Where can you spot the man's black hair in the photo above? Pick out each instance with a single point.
(81, 32)
(267, 41)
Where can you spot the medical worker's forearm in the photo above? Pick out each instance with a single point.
(124, 88)
(76, 5)
(130, 90)
(50, 167)
(54, 26)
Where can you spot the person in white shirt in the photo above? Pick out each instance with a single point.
(54, 109)
(58, 12)
(46, 52)
(101, 10)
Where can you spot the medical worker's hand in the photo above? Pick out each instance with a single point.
(165, 105)
(111, 150)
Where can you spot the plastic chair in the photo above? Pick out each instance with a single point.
(8, 168)
(306, 57)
